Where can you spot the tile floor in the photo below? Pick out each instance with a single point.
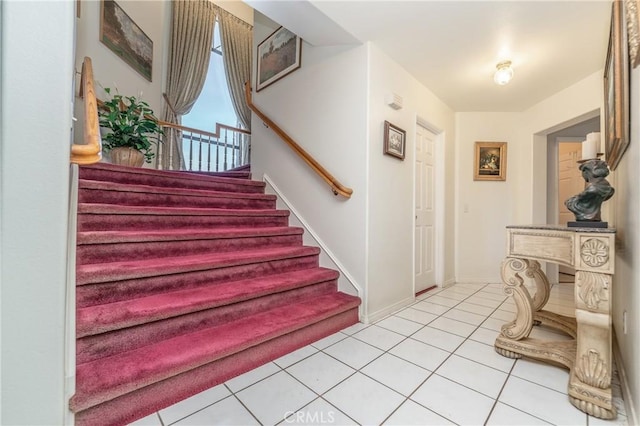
(431, 363)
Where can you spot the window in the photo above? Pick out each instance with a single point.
(213, 106)
(214, 103)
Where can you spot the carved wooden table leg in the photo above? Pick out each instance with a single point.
(543, 289)
(520, 327)
(590, 380)
(514, 340)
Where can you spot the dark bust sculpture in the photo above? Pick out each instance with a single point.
(586, 205)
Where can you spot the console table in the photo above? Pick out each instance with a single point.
(588, 355)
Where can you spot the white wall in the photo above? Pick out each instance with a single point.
(391, 183)
(322, 106)
(109, 69)
(333, 106)
(484, 208)
(522, 199)
(237, 8)
(567, 107)
(626, 219)
(36, 80)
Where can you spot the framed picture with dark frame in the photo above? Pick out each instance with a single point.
(278, 55)
(125, 38)
(616, 89)
(490, 161)
(394, 140)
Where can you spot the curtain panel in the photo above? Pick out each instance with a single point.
(189, 51)
(237, 39)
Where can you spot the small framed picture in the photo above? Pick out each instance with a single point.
(490, 161)
(394, 140)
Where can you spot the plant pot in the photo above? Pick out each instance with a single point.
(125, 156)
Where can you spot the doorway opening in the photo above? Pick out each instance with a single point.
(564, 149)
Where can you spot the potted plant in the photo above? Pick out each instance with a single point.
(133, 129)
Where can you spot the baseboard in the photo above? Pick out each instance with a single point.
(70, 296)
(449, 283)
(632, 416)
(378, 315)
(345, 276)
(476, 280)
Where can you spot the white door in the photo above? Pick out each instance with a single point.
(570, 180)
(425, 209)
(570, 183)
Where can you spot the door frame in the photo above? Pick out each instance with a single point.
(553, 190)
(547, 212)
(439, 169)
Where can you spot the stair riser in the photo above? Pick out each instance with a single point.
(102, 253)
(110, 343)
(94, 294)
(102, 222)
(171, 200)
(174, 181)
(141, 402)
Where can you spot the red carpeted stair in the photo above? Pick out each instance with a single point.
(185, 280)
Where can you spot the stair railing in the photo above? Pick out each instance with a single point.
(91, 151)
(224, 149)
(337, 187)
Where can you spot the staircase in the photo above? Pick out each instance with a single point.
(184, 281)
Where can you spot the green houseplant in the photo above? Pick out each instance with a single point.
(132, 128)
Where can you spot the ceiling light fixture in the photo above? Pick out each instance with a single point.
(504, 73)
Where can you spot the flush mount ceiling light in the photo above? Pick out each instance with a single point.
(504, 73)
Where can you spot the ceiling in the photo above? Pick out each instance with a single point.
(452, 47)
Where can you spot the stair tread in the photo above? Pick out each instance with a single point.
(103, 272)
(174, 174)
(88, 184)
(112, 316)
(128, 236)
(98, 208)
(237, 174)
(106, 378)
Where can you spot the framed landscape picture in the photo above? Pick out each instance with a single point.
(125, 38)
(616, 89)
(278, 55)
(394, 140)
(490, 161)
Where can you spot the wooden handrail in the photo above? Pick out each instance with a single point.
(91, 151)
(336, 186)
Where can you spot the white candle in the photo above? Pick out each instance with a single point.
(596, 137)
(590, 147)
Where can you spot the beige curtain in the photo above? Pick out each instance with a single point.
(189, 51)
(236, 38)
